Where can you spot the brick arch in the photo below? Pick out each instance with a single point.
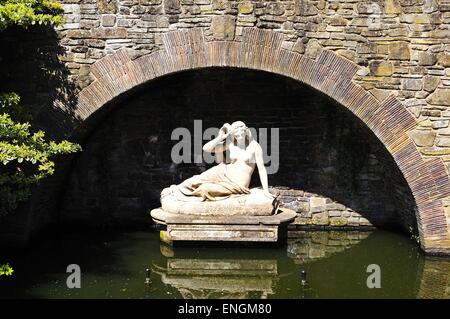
(329, 73)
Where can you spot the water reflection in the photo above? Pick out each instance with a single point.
(217, 278)
(435, 279)
(250, 278)
(307, 246)
(335, 262)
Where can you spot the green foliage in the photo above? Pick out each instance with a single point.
(29, 12)
(25, 157)
(9, 103)
(6, 270)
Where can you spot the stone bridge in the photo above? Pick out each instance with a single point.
(386, 62)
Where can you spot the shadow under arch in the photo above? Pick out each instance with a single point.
(328, 73)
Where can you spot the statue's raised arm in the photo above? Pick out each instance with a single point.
(218, 144)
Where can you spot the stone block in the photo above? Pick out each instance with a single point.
(445, 132)
(415, 110)
(440, 97)
(223, 27)
(318, 209)
(338, 221)
(317, 201)
(412, 84)
(320, 219)
(79, 34)
(220, 4)
(427, 59)
(364, 222)
(399, 50)
(353, 221)
(335, 213)
(302, 221)
(304, 214)
(274, 8)
(171, 6)
(162, 21)
(443, 141)
(107, 6)
(393, 7)
(245, 7)
(335, 206)
(430, 83)
(381, 68)
(299, 46)
(346, 214)
(435, 151)
(440, 124)
(348, 54)
(380, 94)
(415, 18)
(423, 137)
(313, 48)
(444, 59)
(337, 20)
(298, 206)
(108, 20)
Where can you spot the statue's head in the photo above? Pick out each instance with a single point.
(241, 132)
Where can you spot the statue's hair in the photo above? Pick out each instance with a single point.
(248, 133)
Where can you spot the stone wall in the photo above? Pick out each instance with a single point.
(332, 171)
(391, 56)
(402, 46)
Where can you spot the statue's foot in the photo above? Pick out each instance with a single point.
(166, 191)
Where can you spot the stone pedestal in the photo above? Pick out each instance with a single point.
(182, 227)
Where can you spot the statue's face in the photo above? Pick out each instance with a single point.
(239, 134)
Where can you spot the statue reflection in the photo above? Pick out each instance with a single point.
(219, 278)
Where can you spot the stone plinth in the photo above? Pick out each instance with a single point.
(182, 227)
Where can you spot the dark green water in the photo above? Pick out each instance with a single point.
(112, 266)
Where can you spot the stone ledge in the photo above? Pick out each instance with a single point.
(284, 215)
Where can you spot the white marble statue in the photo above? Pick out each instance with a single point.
(225, 180)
